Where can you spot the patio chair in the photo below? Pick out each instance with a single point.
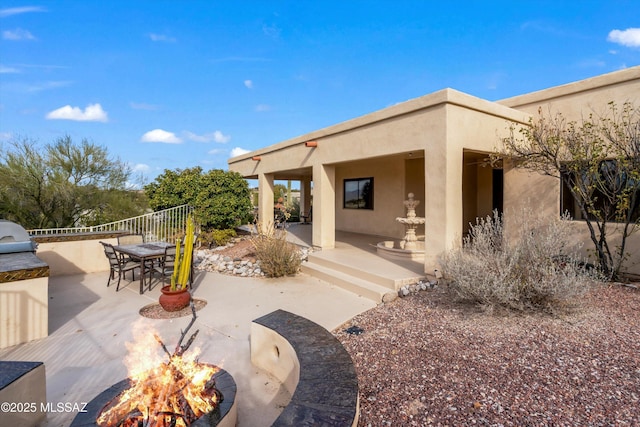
(168, 263)
(118, 264)
(306, 217)
(130, 239)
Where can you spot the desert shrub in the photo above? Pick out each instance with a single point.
(217, 237)
(277, 256)
(534, 270)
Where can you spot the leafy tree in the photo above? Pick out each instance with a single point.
(63, 184)
(174, 188)
(221, 199)
(598, 161)
(279, 192)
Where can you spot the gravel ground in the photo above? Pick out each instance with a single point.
(423, 360)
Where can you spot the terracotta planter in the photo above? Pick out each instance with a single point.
(174, 300)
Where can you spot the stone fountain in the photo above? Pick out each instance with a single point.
(409, 247)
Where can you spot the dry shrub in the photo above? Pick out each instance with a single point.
(217, 237)
(534, 270)
(277, 256)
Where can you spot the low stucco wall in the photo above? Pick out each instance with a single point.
(76, 253)
(22, 386)
(24, 311)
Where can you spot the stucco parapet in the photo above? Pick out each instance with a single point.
(541, 96)
(433, 100)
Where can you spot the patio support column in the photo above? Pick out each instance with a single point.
(443, 202)
(265, 200)
(324, 207)
(305, 195)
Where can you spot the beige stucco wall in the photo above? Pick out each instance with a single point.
(75, 257)
(579, 99)
(476, 125)
(24, 311)
(388, 197)
(542, 193)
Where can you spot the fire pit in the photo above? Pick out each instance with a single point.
(178, 392)
(223, 415)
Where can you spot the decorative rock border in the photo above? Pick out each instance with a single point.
(214, 261)
(211, 261)
(312, 365)
(155, 310)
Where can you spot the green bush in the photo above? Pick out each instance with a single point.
(277, 256)
(217, 237)
(531, 271)
(221, 198)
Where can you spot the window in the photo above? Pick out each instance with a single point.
(358, 193)
(604, 188)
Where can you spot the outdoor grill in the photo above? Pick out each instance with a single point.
(14, 238)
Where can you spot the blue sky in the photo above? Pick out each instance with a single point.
(176, 84)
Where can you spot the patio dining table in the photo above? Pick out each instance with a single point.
(144, 252)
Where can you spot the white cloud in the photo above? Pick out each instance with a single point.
(217, 151)
(160, 135)
(17, 34)
(248, 84)
(237, 151)
(162, 38)
(141, 167)
(263, 107)
(271, 31)
(215, 136)
(18, 10)
(220, 137)
(93, 113)
(629, 37)
(38, 87)
(8, 70)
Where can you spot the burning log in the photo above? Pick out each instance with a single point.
(175, 393)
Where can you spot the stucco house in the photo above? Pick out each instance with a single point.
(436, 147)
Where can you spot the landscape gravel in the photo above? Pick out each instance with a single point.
(235, 258)
(423, 360)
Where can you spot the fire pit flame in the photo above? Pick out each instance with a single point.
(172, 393)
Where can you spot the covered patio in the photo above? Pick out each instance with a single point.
(360, 172)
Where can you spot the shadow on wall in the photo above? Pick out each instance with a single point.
(60, 266)
(24, 318)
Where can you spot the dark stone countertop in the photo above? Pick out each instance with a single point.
(20, 261)
(11, 371)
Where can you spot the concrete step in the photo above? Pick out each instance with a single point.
(348, 282)
(380, 271)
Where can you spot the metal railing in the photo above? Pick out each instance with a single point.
(162, 226)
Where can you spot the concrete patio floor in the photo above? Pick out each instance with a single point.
(89, 325)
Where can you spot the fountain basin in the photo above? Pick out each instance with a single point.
(395, 250)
